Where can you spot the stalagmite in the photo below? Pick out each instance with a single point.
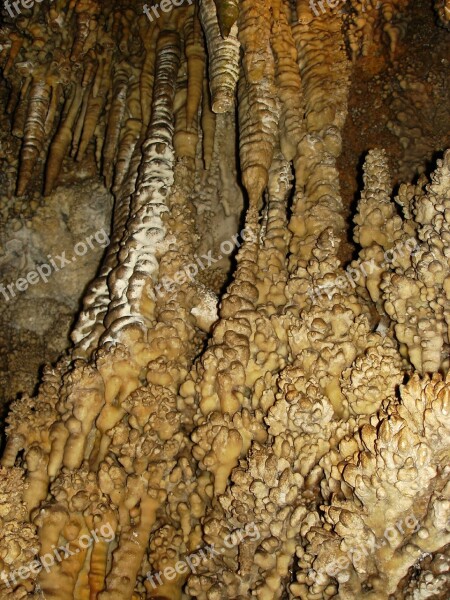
(410, 283)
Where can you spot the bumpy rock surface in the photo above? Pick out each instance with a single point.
(281, 434)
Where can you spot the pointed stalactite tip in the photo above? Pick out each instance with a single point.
(227, 15)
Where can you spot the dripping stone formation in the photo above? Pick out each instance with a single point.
(231, 438)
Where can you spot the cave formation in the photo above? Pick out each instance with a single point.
(255, 400)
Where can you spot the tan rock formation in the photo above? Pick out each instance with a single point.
(201, 443)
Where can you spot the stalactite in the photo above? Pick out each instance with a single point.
(20, 112)
(33, 136)
(147, 205)
(115, 119)
(325, 84)
(97, 98)
(288, 81)
(223, 59)
(63, 138)
(195, 54)
(150, 37)
(208, 127)
(257, 141)
(131, 135)
(227, 15)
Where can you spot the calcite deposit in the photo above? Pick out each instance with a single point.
(241, 413)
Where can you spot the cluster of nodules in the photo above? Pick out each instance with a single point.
(299, 451)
